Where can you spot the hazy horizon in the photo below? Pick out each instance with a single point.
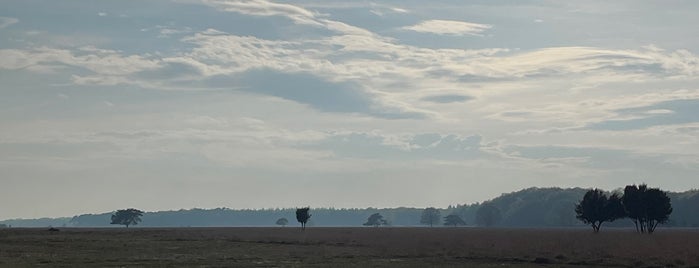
(170, 104)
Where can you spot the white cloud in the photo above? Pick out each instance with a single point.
(449, 27)
(382, 10)
(266, 8)
(101, 61)
(7, 21)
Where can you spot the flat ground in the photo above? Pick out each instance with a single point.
(322, 247)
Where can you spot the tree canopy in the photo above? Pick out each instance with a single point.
(596, 208)
(282, 221)
(430, 216)
(302, 216)
(127, 217)
(646, 207)
(375, 220)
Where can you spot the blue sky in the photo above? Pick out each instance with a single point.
(256, 104)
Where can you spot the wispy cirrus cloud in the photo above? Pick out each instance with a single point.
(266, 8)
(449, 27)
(7, 21)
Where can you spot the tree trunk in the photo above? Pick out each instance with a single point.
(651, 227)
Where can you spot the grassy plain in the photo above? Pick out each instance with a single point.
(346, 247)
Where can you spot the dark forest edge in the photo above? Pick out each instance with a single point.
(532, 207)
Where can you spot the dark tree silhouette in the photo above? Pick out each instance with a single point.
(302, 216)
(430, 216)
(127, 217)
(633, 203)
(658, 208)
(282, 221)
(646, 207)
(596, 208)
(453, 220)
(375, 220)
(487, 215)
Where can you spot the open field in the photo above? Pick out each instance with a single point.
(290, 247)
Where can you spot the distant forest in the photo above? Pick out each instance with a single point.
(533, 207)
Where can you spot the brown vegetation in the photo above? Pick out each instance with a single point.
(416, 247)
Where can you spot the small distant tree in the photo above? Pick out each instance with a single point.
(487, 215)
(282, 221)
(596, 208)
(127, 217)
(430, 216)
(453, 220)
(375, 220)
(302, 216)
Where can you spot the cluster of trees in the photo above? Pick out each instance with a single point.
(646, 207)
(430, 216)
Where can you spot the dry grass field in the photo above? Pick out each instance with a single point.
(346, 247)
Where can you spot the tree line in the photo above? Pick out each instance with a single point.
(532, 207)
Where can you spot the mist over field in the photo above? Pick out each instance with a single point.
(171, 104)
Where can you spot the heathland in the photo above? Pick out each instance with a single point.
(357, 247)
(368, 246)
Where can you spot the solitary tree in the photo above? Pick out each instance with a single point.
(127, 217)
(430, 216)
(375, 220)
(646, 207)
(282, 221)
(487, 215)
(596, 208)
(302, 216)
(453, 220)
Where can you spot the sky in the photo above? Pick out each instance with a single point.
(169, 104)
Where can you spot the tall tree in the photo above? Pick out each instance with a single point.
(487, 215)
(596, 208)
(302, 216)
(282, 221)
(375, 220)
(430, 216)
(633, 204)
(127, 217)
(646, 207)
(453, 220)
(658, 208)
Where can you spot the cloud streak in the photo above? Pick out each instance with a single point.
(449, 27)
(7, 21)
